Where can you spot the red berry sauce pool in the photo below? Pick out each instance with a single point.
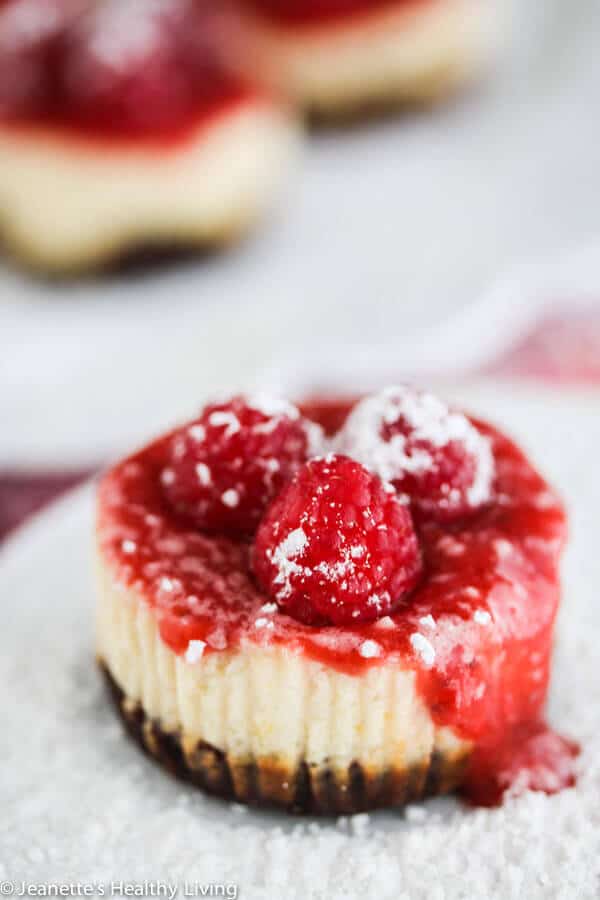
(117, 71)
(477, 631)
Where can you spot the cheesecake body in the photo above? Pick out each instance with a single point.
(71, 201)
(126, 128)
(231, 693)
(389, 55)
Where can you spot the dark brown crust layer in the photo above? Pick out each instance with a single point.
(126, 257)
(320, 791)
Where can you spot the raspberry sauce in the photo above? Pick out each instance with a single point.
(477, 631)
(307, 13)
(117, 71)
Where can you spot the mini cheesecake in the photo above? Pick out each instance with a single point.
(339, 632)
(340, 57)
(124, 126)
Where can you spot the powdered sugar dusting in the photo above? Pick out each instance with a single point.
(503, 548)
(269, 608)
(195, 651)
(272, 406)
(370, 649)
(204, 474)
(482, 617)
(167, 476)
(283, 557)
(423, 648)
(225, 418)
(123, 32)
(431, 421)
(23, 24)
(450, 546)
(167, 584)
(231, 498)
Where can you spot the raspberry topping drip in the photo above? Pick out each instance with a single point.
(124, 66)
(226, 466)
(529, 757)
(433, 455)
(337, 546)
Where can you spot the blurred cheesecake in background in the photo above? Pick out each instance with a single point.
(124, 125)
(338, 57)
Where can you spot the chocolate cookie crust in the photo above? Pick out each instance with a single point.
(307, 790)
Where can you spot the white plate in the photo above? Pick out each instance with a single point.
(389, 231)
(80, 803)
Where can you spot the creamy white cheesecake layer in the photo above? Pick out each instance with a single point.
(407, 54)
(67, 203)
(267, 704)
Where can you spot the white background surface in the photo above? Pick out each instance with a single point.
(79, 802)
(412, 224)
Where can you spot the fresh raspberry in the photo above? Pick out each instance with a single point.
(336, 546)
(145, 64)
(433, 455)
(128, 65)
(31, 34)
(225, 467)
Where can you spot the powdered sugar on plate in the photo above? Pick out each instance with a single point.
(81, 803)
